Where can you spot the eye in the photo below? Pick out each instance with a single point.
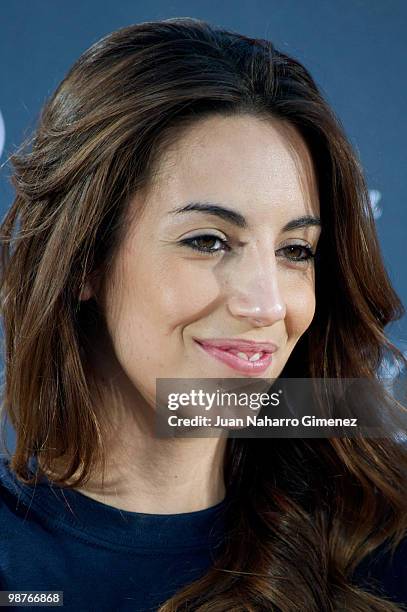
(295, 248)
(207, 243)
(210, 244)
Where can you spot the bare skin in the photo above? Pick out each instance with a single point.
(162, 294)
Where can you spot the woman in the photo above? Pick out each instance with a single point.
(188, 194)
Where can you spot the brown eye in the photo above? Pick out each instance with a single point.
(298, 252)
(206, 243)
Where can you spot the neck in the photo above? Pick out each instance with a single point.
(161, 476)
(153, 475)
(144, 473)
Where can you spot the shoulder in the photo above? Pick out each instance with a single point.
(8, 487)
(385, 572)
(4, 475)
(14, 495)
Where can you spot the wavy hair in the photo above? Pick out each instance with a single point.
(302, 513)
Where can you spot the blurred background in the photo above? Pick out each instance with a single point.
(355, 49)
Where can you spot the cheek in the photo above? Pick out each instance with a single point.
(184, 294)
(301, 304)
(150, 303)
(147, 312)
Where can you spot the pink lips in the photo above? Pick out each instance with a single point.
(225, 350)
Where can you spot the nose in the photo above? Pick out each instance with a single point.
(254, 292)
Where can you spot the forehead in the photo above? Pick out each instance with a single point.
(243, 161)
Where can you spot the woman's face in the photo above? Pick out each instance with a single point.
(167, 302)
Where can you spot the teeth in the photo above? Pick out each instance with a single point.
(254, 357)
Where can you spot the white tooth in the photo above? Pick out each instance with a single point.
(255, 357)
(242, 356)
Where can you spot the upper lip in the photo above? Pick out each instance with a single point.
(238, 344)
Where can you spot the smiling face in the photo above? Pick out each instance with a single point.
(208, 273)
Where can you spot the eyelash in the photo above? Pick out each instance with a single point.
(189, 242)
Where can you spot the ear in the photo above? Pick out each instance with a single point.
(90, 288)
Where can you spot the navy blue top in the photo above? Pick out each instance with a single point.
(106, 559)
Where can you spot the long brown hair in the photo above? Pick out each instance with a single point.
(302, 513)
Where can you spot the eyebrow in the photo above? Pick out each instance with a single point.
(232, 216)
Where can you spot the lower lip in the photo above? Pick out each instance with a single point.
(240, 365)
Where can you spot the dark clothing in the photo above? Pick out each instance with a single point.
(106, 559)
(102, 558)
(384, 576)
